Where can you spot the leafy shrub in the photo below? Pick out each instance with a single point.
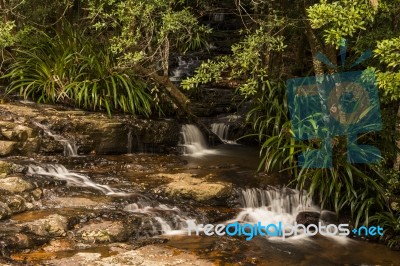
(358, 188)
(390, 221)
(72, 69)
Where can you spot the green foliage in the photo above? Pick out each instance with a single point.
(73, 69)
(250, 64)
(341, 19)
(147, 31)
(345, 186)
(360, 189)
(269, 118)
(7, 38)
(390, 221)
(388, 53)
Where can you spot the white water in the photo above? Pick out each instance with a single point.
(273, 206)
(184, 69)
(129, 144)
(278, 205)
(171, 221)
(222, 131)
(70, 148)
(59, 172)
(193, 142)
(218, 17)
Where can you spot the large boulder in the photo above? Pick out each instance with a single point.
(188, 186)
(14, 184)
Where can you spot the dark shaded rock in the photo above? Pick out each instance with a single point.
(306, 218)
(5, 211)
(329, 217)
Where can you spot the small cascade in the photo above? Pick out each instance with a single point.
(193, 141)
(129, 145)
(273, 206)
(222, 131)
(184, 69)
(284, 200)
(59, 172)
(70, 148)
(168, 221)
(218, 17)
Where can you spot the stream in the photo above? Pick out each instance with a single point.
(129, 198)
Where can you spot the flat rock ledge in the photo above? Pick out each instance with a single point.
(201, 189)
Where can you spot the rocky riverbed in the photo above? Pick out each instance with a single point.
(103, 206)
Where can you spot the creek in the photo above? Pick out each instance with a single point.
(148, 200)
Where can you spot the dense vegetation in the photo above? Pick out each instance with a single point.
(115, 55)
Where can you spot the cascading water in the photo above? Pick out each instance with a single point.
(218, 17)
(59, 172)
(193, 142)
(170, 221)
(70, 148)
(273, 206)
(129, 144)
(222, 131)
(184, 69)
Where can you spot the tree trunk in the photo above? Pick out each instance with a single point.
(397, 162)
(4, 13)
(316, 47)
(173, 92)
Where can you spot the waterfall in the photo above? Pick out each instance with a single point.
(70, 148)
(59, 172)
(273, 206)
(193, 141)
(184, 69)
(222, 131)
(129, 145)
(277, 200)
(218, 17)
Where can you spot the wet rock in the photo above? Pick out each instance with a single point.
(91, 132)
(308, 217)
(148, 255)
(78, 202)
(217, 214)
(329, 217)
(14, 184)
(52, 225)
(17, 139)
(189, 187)
(5, 167)
(105, 231)
(19, 241)
(5, 211)
(56, 245)
(7, 147)
(18, 204)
